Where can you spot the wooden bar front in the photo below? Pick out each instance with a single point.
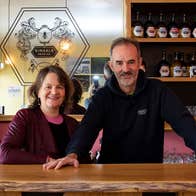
(98, 179)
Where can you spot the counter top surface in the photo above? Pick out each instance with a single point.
(98, 177)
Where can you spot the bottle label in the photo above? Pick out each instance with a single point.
(193, 71)
(194, 33)
(174, 32)
(138, 31)
(164, 71)
(162, 32)
(186, 32)
(184, 71)
(150, 31)
(177, 71)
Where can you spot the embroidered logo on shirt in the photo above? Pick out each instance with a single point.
(142, 111)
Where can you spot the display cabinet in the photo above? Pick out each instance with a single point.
(151, 48)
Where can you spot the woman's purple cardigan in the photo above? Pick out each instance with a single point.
(29, 139)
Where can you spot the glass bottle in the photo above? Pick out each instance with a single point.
(184, 66)
(138, 28)
(185, 30)
(163, 67)
(149, 27)
(161, 27)
(176, 67)
(173, 28)
(188, 60)
(193, 29)
(193, 65)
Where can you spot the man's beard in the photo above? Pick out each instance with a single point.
(126, 82)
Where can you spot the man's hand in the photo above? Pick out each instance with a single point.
(70, 159)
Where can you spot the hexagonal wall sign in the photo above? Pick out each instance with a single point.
(34, 39)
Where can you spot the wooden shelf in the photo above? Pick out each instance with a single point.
(168, 40)
(128, 8)
(6, 118)
(161, 1)
(176, 79)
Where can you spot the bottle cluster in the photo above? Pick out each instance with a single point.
(163, 29)
(178, 67)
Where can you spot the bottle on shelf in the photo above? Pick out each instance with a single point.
(173, 28)
(193, 65)
(138, 27)
(184, 66)
(176, 67)
(185, 30)
(161, 27)
(163, 67)
(149, 27)
(188, 60)
(193, 30)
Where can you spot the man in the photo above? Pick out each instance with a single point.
(131, 109)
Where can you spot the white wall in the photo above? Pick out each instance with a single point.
(100, 21)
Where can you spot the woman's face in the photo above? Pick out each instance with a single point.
(51, 93)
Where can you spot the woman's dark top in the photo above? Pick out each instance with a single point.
(61, 137)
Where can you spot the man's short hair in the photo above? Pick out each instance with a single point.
(125, 41)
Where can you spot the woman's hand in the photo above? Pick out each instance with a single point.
(70, 159)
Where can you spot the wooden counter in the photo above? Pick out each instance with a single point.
(110, 179)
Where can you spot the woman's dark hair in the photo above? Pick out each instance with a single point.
(63, 79)
(107, 72)
(77, 90)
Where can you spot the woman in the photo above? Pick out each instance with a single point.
(76, 108)
(41, 132)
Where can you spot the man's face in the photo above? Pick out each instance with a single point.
(125, 64)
